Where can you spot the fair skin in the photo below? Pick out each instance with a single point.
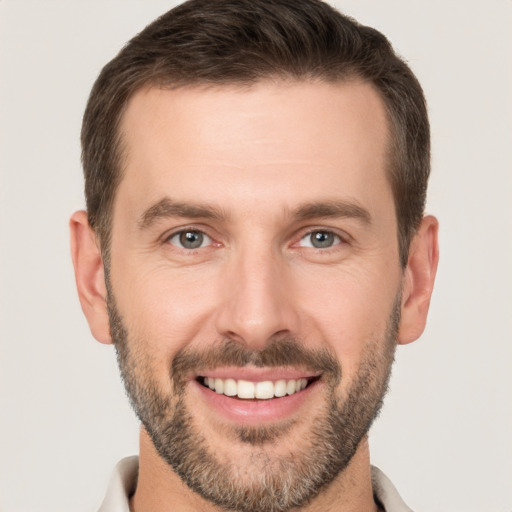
(255, 160)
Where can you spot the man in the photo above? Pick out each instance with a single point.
(255, 248)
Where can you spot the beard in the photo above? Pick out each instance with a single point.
(265, 482)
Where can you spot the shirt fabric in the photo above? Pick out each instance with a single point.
(124, 480)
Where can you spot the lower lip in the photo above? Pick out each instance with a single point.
(256, 411)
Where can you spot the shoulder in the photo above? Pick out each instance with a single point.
(121, 486)
(386, 494)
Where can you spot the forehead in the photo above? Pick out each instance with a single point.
(297, 138)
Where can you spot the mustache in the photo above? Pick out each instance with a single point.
(282, 352)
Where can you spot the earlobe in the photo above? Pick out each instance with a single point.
(419, 277)
(89, 276)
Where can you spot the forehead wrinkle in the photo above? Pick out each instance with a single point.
(166, 207)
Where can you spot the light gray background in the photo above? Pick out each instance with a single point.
(444, 437)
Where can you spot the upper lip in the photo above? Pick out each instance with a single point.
(257, 374)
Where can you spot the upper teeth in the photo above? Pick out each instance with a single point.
(263, 390)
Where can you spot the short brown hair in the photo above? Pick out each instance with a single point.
(221, 42)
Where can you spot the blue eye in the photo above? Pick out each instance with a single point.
(190, 239)
(320, 239)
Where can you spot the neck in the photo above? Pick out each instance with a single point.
(160, 489)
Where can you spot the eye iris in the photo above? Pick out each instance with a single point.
(191, 239)
(322, 239)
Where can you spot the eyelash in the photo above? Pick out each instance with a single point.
(339, 239)
(191, 229)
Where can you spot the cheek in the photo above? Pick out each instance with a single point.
(164, 310)
(349, 312)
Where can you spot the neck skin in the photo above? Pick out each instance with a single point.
(159, 489)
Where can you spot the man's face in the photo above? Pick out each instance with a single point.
(254, 250)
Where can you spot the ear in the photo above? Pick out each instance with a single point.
(419, 279)
(89, 276)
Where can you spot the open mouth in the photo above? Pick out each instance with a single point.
(262, 390)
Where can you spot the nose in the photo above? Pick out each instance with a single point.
(256, 303)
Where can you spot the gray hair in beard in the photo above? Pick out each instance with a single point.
(270, 484)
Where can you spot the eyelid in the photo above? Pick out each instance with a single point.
(205, 242)
(306, 242)
(343, 236)
(166, 237)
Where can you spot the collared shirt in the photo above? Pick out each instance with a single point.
(124, 480)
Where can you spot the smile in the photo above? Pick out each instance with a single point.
(256, 396)
(263, 390)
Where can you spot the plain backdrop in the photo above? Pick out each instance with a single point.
(445, 435)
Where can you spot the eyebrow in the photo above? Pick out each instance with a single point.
(333, 209)
(166, 208)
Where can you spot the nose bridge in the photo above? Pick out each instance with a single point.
(255, 304)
